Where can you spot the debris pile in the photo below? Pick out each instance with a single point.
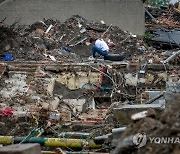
(62, 40)
(167, 125)
(162, 26)
(53, 94)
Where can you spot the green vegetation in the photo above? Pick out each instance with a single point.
(148, 36)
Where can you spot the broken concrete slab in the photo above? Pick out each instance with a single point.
(123, 114)
(76, 103)
(54, 104)
(21, 149)
(16, 84)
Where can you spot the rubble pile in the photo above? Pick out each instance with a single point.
(167, 17)
(60, 40)
(162, 26)
(53, 94)
(165, 125)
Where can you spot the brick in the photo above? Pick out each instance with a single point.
(21, 149)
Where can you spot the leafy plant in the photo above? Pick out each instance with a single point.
(148, 36)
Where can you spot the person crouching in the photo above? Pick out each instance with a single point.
(99, 46)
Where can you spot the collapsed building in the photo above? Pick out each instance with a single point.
(53, 94)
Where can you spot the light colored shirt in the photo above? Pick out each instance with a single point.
(100, 43)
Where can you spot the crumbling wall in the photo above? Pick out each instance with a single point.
(127, 14)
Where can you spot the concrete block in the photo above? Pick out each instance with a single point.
(21, 149)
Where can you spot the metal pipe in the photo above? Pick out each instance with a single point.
(77, 135)
(151, 16)
(6, 140)
(171, 57)
(49, 28)
(119, 130)
(51, 142)
(106, 30)
(101, 139)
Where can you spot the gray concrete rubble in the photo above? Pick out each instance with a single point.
(21, 149)
(53, 93)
